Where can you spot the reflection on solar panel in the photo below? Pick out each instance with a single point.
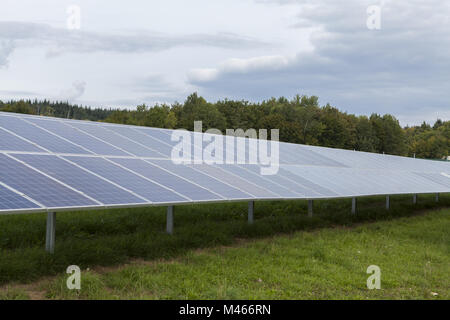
(50, 165)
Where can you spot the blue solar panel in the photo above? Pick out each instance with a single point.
(66, 131)
(324, 177)
(240, 148)
(127, 179)
(117, 140)
(160, 134)
(210, 183)
(39, 136)
(300, 155)
(235, 181)
(295, 174)
(366, 182)
(136, 135)
(9, 142)
(182, 186)
(130, 165)
(261, 180)
(38, 187)
(10, 200)
(80, 179)
(277, 178)
(163, 137)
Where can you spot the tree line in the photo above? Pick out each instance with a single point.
(300, 120)
(57, 109)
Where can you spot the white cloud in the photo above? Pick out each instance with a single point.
(400, 69)
(238, 66)
(255, 64)
(61, 40)
(236, 48)
(203, 75)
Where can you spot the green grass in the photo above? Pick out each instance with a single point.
(214, 254)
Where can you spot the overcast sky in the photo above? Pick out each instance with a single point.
(125, 53)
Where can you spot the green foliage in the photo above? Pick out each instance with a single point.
(389, 133)
(366, 138)
(291, 255)
(18, 107)
(120, 116)
(197, 109)
(429, 142)
(55, 109)
(300, 120)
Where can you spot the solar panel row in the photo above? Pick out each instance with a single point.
(134, 181)
(56, 164)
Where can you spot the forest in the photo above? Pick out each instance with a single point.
(300, 120)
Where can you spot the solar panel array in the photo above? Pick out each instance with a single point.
(50, 164)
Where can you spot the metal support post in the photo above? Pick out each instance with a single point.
(354, 203)
(310, 208)
(50, 233)
(251, 208)
(169, 227)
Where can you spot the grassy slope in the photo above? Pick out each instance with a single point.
(413, 252)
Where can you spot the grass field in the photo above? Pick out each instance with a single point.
(214, 254)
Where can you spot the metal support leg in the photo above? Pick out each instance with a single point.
(169, 227)
(415, 199)
(50, 234)
(437, 197)
(354, 205)
(310, 208)
(388, 202)
(251, 208)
